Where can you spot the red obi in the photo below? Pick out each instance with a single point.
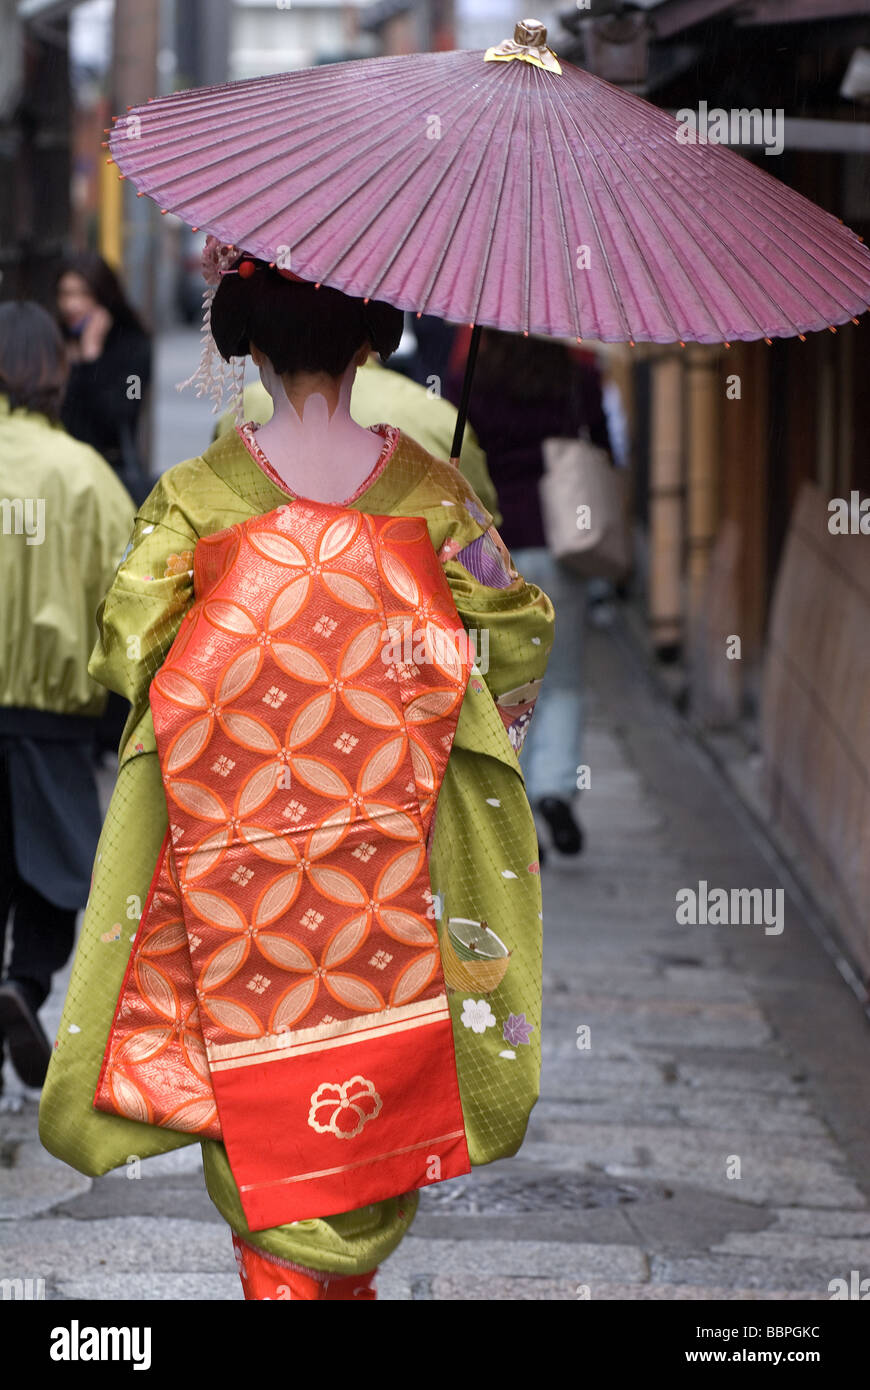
(285, 991)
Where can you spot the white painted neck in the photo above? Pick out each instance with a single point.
(311, 441)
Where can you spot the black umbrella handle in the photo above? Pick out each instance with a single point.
(466, 394)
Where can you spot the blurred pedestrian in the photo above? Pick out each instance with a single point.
(527, 390)
(65, 521)
(110, 366)
(431, 361)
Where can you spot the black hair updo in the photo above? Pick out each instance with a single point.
(298, 327)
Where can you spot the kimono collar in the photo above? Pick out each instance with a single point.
(231, 461)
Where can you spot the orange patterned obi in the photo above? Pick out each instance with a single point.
(285, 991)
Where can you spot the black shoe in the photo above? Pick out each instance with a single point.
(566, 833)
(29, 1048)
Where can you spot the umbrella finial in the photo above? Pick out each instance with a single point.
(529, 44)
(531, 33)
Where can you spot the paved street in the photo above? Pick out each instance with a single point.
(711, 1141)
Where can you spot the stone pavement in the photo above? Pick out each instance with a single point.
(711, 1141)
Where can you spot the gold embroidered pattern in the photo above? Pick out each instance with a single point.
(342, 1108)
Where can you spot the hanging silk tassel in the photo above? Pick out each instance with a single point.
(214, 376)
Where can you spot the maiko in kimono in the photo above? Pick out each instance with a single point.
(313, 937)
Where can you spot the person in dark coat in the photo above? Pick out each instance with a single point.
(526, 390)
(110, 366)
(109, 359)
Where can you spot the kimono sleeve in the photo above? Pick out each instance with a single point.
(509, 626)
(483, 850)
(141, 613)
(137, 621)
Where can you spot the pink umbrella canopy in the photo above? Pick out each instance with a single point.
(498, 193)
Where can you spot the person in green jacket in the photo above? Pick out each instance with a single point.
(381, 394)
(64, 521)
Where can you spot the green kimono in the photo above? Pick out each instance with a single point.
(483, 861)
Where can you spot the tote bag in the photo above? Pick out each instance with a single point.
(583, 509)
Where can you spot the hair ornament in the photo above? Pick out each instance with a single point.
(214, 377)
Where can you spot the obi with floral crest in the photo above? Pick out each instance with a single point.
(481, 848)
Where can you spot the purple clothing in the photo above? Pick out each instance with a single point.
(511, 432)
(481, 558)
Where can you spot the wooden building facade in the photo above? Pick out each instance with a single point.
(738, 453)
